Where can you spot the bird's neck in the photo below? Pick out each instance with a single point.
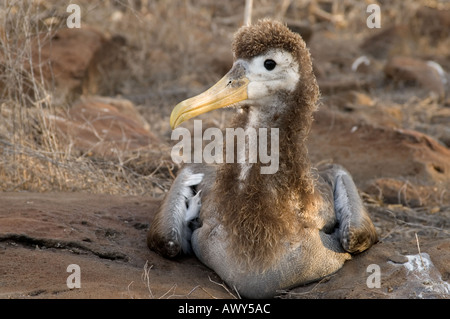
(275, 147)
(259, 208)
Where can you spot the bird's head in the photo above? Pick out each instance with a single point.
(269, 59)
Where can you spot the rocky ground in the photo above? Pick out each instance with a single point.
(387, 120)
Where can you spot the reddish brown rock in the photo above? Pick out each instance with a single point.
(71, 60)
(42, 234)
(381, 44)
(106, 127)
(432, 22)
(370, 152)
(416, 72)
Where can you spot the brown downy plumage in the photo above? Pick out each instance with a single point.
(268, 209)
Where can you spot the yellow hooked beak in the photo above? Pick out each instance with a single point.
(227, 91)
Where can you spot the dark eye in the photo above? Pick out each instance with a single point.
(270, 64)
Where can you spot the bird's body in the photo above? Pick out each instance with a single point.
(265, 232)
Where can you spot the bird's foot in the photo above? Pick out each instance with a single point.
(168, 246)
(358, 237)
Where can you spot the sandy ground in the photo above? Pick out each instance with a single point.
(42, 234)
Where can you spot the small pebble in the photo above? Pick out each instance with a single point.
(398, 259)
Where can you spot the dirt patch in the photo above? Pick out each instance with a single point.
(42, 234)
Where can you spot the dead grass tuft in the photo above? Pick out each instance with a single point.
(32, 156)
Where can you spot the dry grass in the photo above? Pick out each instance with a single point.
(32, 155)
(25, 139)
(173, 49)
(170, 294)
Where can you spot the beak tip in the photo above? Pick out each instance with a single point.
(176, 117)
(173, 122)
(218, 96)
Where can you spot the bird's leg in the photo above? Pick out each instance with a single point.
(356, 230)
(169, 232)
